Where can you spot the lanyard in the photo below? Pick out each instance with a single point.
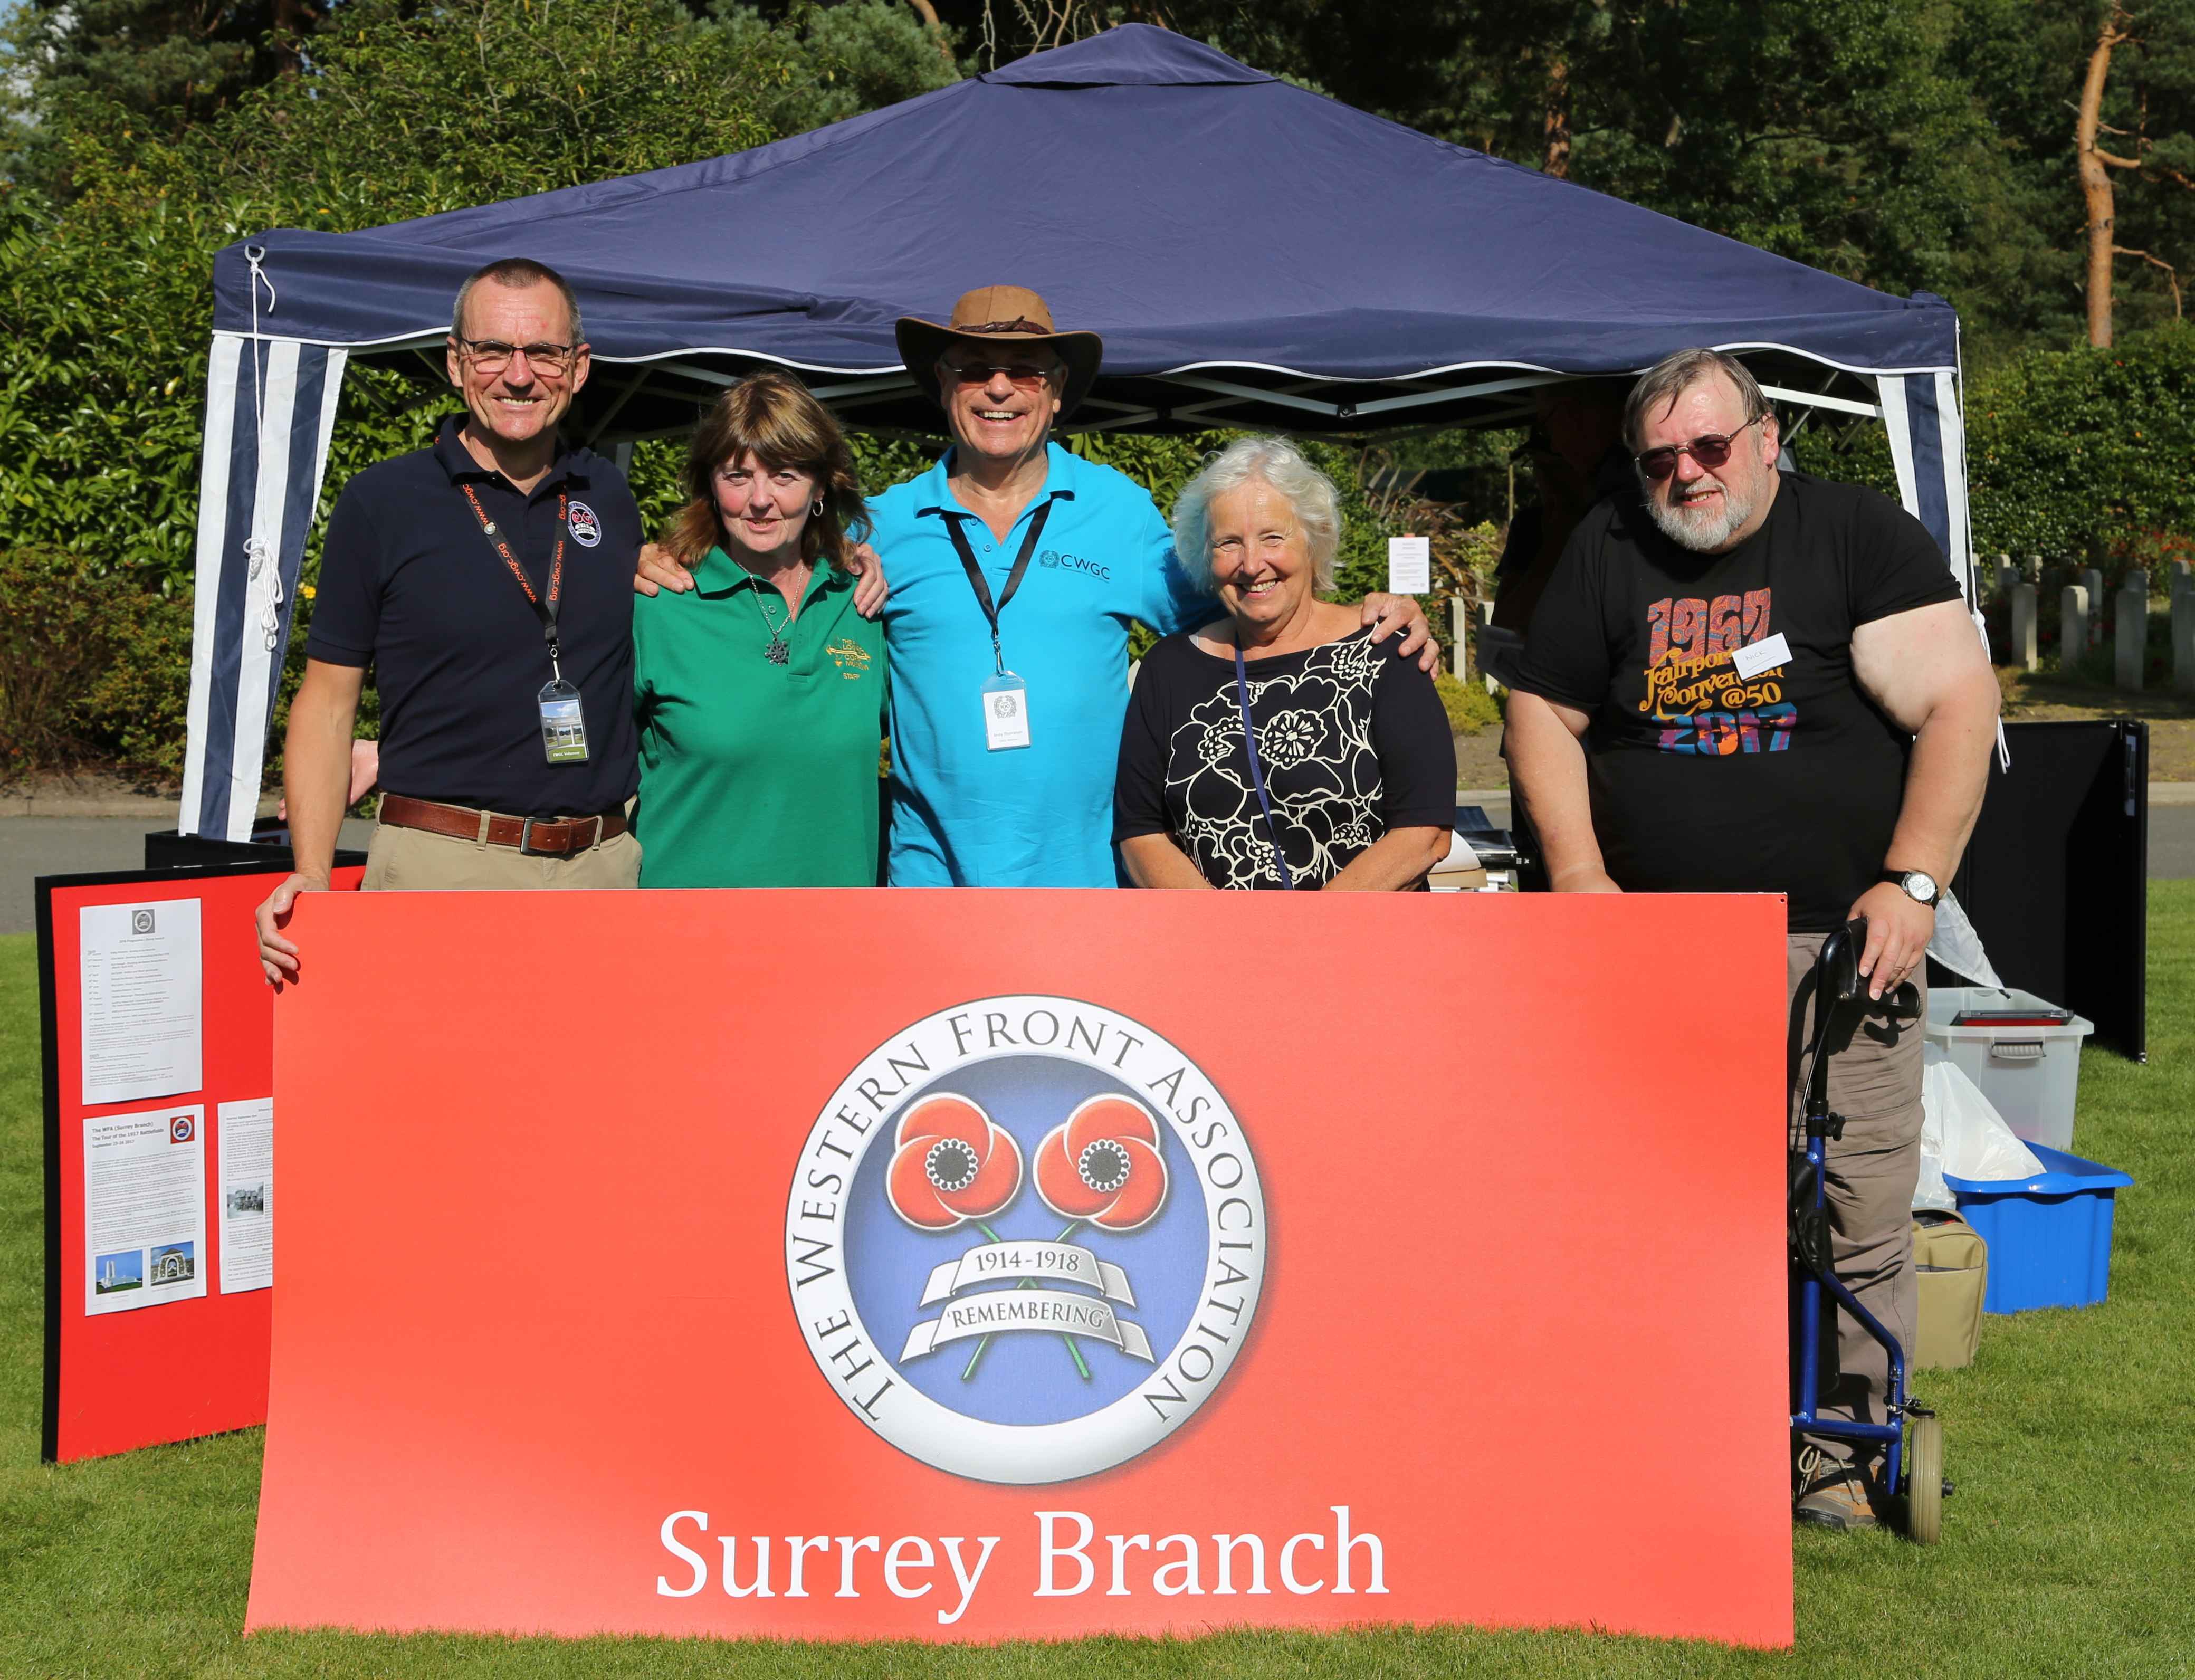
(1013, 578)
(544, 611)
(1257, 774)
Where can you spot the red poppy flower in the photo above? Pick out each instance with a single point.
(953, 1164)
(1103, 1164)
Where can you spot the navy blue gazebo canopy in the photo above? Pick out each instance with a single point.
(1253, 253)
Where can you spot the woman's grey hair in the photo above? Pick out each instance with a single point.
(1274, 461)
(1661, 384)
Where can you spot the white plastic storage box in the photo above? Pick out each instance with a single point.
(2023, 1053)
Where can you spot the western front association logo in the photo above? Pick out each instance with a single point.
(1025, 1239)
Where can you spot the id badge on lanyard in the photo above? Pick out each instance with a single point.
(563, 724)
(1004, 696)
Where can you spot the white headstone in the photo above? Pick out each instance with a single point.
(2130, 632)
(2072, 627)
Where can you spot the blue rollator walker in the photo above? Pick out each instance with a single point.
(1914, 1467)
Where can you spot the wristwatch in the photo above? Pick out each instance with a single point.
(1920, 888)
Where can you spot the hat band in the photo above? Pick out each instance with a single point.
(1019, 323)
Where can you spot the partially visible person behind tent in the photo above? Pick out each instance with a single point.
(761, 692)
(1577, 456)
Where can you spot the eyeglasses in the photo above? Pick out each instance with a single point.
(1710, 452)
(1023, 377)
(493, 355)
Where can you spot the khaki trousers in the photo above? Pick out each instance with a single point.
(1874, 1083)
(411, 859)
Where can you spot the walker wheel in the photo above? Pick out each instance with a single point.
(1924, 1482)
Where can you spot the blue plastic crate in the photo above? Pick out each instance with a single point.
(2049, 1236)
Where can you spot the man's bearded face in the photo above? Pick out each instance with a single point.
(1709, 511)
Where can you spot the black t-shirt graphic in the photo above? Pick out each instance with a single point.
(1352, 740)
(1787, 780)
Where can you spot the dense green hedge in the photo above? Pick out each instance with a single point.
(2074, 454)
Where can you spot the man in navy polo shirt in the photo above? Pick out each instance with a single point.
(1016, 568)
(487, 581)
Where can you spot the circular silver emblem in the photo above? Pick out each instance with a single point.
(1025, 1238)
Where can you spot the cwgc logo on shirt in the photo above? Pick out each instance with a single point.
(1054, 559)
(587, 528)
(1025, 1239)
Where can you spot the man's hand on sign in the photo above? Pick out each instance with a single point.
(661, 570)
(870, 588)
(1387, 613)
(278, 957)
(1898, 928)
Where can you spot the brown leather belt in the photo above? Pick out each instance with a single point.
(534, 836)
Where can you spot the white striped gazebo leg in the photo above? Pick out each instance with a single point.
(269, 419)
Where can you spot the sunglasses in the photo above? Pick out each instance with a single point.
(1020, 374)
(1710, 452)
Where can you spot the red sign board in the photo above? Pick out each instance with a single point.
(158, 1370)
(963, 1266)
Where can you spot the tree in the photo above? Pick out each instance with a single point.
(2166, 65)
(104, 308)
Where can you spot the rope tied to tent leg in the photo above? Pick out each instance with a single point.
(257, 551)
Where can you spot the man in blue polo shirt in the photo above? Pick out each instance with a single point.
(1016, 569)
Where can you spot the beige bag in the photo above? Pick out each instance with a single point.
(1952, 1263)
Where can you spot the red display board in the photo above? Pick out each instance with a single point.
(972, 1265)
(181, 1367)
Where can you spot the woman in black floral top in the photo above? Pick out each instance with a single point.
(1352, 744)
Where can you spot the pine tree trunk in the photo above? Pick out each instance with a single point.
(1557, 162)
(2096, 183)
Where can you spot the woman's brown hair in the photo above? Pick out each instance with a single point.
(774, 416)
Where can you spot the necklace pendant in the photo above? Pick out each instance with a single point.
(777, 653)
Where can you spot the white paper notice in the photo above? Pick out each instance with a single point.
(245, 1141)
(1410, 565)
(144, 1209)
(141, 1017)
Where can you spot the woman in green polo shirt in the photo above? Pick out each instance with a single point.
(761, 691)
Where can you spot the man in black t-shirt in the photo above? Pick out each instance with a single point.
(488, 581)
(1755, 681)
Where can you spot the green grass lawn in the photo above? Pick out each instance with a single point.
(2067, 1549)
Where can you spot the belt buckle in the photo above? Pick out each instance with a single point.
(526, 840)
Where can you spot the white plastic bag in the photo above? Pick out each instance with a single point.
(1961, 1129)
(1957, 947)
(1930, 1190)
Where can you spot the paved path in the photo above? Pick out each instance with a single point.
(33, 846)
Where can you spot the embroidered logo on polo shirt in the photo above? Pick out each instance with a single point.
(587, 528)
(1053, 559)
(851, 660)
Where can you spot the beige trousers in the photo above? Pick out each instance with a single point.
(1874, 1083)
(411, 859)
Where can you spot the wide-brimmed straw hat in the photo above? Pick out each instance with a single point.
(991, 316)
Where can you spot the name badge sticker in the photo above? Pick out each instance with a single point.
(1753, 659)
(1006, 712)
